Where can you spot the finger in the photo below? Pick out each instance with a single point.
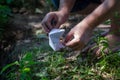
(74, 42)
(45, 28)
(69, 37)
(54, 21)
(49, 26)
(50, 23)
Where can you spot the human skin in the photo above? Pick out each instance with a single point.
(59, 16)
(80, 34)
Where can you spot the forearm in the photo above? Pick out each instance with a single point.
(66, 6)
(100, 14)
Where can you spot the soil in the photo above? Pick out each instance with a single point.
(22, 33)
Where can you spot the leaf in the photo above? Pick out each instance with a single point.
(28, 57)
(26, 70)
(8, 66)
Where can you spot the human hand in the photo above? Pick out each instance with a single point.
(53, 20)
(78, 37)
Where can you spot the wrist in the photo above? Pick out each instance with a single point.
(85, 26)
(64, 12)
(63, 15)
(89, 23)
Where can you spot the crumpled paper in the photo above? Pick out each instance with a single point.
(54, 39)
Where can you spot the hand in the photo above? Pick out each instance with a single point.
(53, 20)
(78, 37)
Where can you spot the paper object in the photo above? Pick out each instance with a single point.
(54, 39)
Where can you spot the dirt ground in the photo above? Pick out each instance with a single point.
(24, 32)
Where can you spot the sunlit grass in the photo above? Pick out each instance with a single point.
(45, 64)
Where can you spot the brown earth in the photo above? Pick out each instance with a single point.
(24, 32)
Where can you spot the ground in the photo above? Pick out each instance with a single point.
(25, 34)
(27, 30)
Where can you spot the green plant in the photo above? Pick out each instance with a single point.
(4, 12)
(56, 66)
(41, 63)
(24, 68)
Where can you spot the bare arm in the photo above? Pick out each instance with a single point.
(56, 18)
(81, 33)
(66, 6)
(103, 12)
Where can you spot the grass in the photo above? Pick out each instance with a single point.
(44, 64)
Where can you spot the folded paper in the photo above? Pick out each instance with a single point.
(54, 39)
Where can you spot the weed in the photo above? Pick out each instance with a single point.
(54, 65)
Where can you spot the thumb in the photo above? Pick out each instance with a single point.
(72, 40)
(71, 43)
(69, 37)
